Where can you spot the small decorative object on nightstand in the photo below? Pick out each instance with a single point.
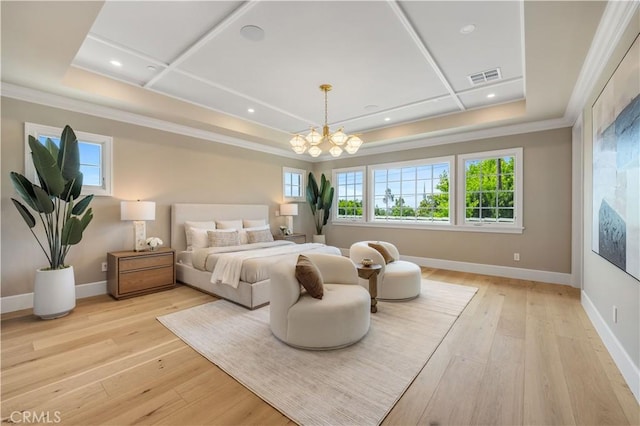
(296, 238)
(132, 273)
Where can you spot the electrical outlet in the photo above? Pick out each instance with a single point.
(615, 314)
(516, 257)
(104, 266)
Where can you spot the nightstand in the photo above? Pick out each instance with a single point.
(296, 238)
(132, 273)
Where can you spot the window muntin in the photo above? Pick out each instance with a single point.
(491, 188)
(350, 193)
(415, 192)
(95, 157)
(293, 184)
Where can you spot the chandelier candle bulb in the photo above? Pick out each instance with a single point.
(314, 139)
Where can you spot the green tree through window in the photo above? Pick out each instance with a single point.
(490, 190)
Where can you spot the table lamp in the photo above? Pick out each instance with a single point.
(138, 212)
(289, 210)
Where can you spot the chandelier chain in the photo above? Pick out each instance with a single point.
(326, 121)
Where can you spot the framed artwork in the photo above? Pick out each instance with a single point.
(616, 166)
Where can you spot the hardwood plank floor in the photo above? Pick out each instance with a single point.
(520, 353)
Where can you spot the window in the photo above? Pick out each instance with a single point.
(491, 185)
(95, 157)
(350, 189)
(293, 184)
(417, 191)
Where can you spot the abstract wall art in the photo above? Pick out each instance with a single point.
(616, 166)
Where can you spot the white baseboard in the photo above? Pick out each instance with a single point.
(495, 270)
(630, 372)
(25, 301)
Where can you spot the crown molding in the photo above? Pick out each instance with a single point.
(57, 101)
(613, 24)
(419, 141)
(426, 141)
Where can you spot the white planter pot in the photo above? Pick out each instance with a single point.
(54, 293)
(319, 239)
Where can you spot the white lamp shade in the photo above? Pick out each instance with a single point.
(289, 209)
(137, 210)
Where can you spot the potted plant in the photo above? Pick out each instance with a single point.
(63, 219)
(320, 200)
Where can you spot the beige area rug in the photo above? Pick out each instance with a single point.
(357, 385)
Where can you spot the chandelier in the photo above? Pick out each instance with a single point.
(335, 141)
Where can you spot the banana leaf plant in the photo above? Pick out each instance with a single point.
(54, 201)
(320, 200)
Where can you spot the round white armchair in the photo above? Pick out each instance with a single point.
(398, 280)
(339, 319)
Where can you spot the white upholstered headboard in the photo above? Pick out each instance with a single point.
(202, 212)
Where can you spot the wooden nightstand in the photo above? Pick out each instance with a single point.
(296, 238)
(132, 273)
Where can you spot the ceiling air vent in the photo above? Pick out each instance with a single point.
(485, 76)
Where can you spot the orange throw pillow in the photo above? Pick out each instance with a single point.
(383, 251)
(309, 276)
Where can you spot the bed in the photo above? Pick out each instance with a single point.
(249, 284)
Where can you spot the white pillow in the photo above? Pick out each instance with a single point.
(189, 224)
(244, 239)
(199, 238)
(252, 223)
(229, 224)
(223, 238)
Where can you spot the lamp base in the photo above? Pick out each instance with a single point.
(139, 235)
(290, 223)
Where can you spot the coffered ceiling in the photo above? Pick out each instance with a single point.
(251, 70)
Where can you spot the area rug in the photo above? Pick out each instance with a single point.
(357, 385)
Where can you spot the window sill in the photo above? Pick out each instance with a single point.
(435, 227)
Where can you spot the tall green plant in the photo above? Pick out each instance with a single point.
(320, 200)
(54, 201)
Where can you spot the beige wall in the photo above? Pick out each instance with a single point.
(604, 284)
(544, 245)
(149, 165)
(168, 168)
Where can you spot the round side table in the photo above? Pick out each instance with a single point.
(370, 273)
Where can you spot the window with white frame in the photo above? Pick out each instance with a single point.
(350, 193)
(418, 191)
(95, 157)
(491, 188)
(293, 184)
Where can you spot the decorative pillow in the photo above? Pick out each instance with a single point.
(252, 223)
(383, 251)
(223, 238)
(308, 275)
(229, 224)
(243, 233)
(189, 224)
(199, 238)
(259, 236)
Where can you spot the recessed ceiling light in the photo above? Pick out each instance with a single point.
(491, 95)
(151, 68)
(387, 119)
(467, 29)
(251, 110)
(252, 32)
(115, 63)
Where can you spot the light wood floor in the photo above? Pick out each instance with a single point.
(521, 353)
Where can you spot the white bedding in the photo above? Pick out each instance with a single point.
(249, 262)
